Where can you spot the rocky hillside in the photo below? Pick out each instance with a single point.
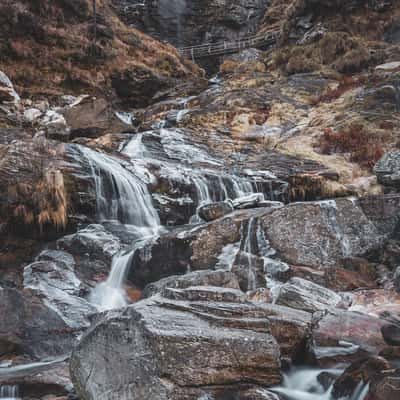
(49, 48)
(168, 237)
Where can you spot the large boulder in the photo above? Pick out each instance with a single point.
(36, 329)
(328, 232)
(53, 279)
(91, 117)
(175, 349)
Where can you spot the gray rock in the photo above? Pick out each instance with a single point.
(220, 278)
(308, 296)
(56, 283)
(93, 248)
(213, 211)
(328, 231)
(8, 95)
(166, 349)
(387, 169)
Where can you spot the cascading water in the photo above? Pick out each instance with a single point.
(119, 194)
(180, 160)
(9, 392)
(131, 204)
(303, 384)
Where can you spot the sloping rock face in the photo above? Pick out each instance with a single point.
(222, 346)
(311, 234)
(185, 23)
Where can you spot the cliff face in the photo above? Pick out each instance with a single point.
(52, 47)
(184, 23)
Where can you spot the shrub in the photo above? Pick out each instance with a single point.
(362, 147)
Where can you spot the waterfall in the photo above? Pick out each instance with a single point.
(9, 392)
(174, 10)
(121, 196)
(249, 251)
(303, 384)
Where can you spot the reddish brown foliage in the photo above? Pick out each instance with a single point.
(362, 147)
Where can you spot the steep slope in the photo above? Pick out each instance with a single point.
(54, 47)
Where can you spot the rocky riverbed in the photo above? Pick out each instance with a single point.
(166, 236)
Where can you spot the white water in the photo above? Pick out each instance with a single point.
(9, 392)
(302, 384)
(121, 195)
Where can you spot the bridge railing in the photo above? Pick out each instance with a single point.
(228, 47)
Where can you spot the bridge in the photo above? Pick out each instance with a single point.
(229, 47)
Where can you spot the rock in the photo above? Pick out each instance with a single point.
(213, 211)
(331, 230)
(391, 66)
(396, 280)
(55, 125)
(36, 329)
(360, 372)
(52, 278)
(385, 386)
(391, 334)
(254, 200)
(93, 249)
(219, 278)
(342, 336)
(32, 115)
(304, 295)
(387, 169)
(166, 338)
(383, 212)
(291, 328)
(7, 93)
(93, 118)
(249, 270)
(202, 293)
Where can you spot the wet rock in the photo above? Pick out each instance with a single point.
(219, 278)
(362, 371)
(249, 270)
(385, 386)
(176, 337)
(253, 201)
(396, 279)
(331, 230)
(305, 295)
(391, 334)
(93, 249)
(8, 95)
(32, 115)
(202, 293)
(383, 211)
(291, 328)
(387, 169)
(342, 336)
(55, 125)
(52, 278)
(92, 118)
(213, 211)
(36, 329)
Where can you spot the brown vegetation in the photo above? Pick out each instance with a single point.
(363, 147)
(48, 48)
